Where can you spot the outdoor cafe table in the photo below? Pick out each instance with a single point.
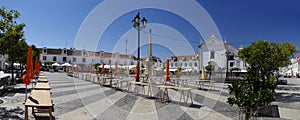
(42, 80)
(42, 77)
(110, 80)
(164, 95)
(127, 84)
(42, 74)
(94, 77)
(198, 83)
(180, 81)
(143, 84)
(42, 86)
(39, 98)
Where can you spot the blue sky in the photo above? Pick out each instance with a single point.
(55, 23)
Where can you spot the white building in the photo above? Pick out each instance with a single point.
(219, 54)
(188, 63)
(212, 51)
(84, 57)
(2, 62)
(293, 69)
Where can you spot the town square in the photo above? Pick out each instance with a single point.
(153, 60)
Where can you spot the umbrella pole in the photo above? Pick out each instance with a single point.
(31, 84)
(25, 93)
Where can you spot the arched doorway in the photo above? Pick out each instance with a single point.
(214, 65)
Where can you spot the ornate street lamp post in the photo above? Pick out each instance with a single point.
(200, 56)
(228, 56)
(136, 24)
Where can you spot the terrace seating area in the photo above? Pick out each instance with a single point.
(145, 87)
(39, 99)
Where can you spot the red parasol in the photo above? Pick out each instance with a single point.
(137, 70)
(102, 69)
(26, 78)
(167, 78)
(116, 68)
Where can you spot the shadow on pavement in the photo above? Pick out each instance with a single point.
(11, 114)
(287, 88)
(287, 97)
(12, 92)
(43, 117)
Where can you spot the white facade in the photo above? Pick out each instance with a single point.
(212, 51)
(2, 62)
(188, 63)
(293, 69)
(84, 57)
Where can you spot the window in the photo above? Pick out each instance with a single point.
(185, 64)
(44, 58)
(45, 51)
(182, 58)
(212, 55)
(176, 64)
(231, 64)
(64, 59)
(65, 51)
(195, 64)
(101, 61)
(190, 64)
(83, 53)
(54, 58)
(74, 59)
(180, 64)
(238, 63)
(172, 64)
(83, 59)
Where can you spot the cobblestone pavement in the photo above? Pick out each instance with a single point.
(77, 99)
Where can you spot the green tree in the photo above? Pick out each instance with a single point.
(11, 33)
(48, 63)
(257, 89)
(209, 69)
(97, 65)
(36, 52)
(22, 52)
